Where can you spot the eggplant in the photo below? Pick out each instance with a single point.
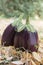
(19, 39)
(26, 39)
(8, 35)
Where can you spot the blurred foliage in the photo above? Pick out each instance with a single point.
(29, 8)
(22, 9)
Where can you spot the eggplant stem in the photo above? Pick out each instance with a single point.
(27, 20)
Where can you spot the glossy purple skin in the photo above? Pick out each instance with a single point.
(26, 39)
(8, 36)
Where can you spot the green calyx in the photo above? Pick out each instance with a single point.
(20, 26)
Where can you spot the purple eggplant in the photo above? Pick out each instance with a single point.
(26, 39)
(8, 35)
